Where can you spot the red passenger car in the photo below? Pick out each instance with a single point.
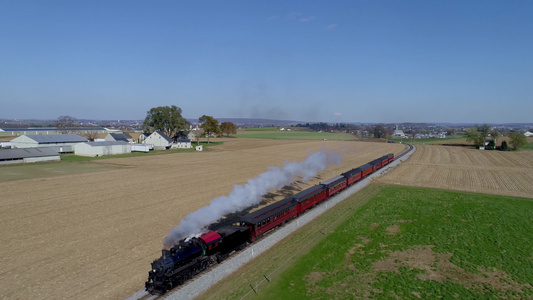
(334, 185)
(388, 159)
(266, 218)
(353, 175)
(310, 197)
(366, 169)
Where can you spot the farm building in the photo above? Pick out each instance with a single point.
(51, 130)
(102, 148)
(141, 147)
(60, 142)
(115, 137)
(160, 140)
(182, 144)
(28, 155)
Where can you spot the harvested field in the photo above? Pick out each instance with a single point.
(463, 169)
(93, 235)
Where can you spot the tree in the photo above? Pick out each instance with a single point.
(494, 134)
(228, 128)
(504, 146)
(197, 134)
(91, 135)
(63, 123)
(473, 135)
(450, 132)
(210, 126)
(518, 139)
(380, 131)
(484, 130)
(167, 119)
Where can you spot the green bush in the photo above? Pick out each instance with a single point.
(505, 147)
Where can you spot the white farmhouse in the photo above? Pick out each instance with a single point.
(160, 140)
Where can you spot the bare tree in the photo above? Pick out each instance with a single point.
(91, 135)
(64, 123)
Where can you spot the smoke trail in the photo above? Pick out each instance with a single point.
(244, 196)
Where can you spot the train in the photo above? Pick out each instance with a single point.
(191, 256)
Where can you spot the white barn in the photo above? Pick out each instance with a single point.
(28, 155)
(60, 142)
(125, 137)
(160, 140)
(141, 147)
(182, 144)
(102, 148)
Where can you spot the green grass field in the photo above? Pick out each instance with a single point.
(529, 146)
(454, 139)
(275, 134)
(403, 243)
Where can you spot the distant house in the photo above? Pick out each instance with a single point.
(115, 137)
(28, 155)
(399, 133)
(60, 142)
(143, 137)
(182, 144)
(160, 140)
(195, 132)
(528, 133)
(102, 148)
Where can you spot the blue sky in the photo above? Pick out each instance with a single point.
(330, 61)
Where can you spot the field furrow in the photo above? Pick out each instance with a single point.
(465, 169)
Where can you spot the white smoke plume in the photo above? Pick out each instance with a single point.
(244, 196)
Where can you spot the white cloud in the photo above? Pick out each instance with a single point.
(331, 26)
(306, 19)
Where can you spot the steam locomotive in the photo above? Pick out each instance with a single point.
(192, 256)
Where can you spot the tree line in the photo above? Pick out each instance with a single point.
(170, 121)
(479, 134)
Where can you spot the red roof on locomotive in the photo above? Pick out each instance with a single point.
(210, 237)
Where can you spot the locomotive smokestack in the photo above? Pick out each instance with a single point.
(244, 196)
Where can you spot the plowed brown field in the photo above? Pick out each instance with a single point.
(93, 235)
(463, 169)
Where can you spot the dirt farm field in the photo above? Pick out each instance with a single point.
(466, 169)
(93, 235)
